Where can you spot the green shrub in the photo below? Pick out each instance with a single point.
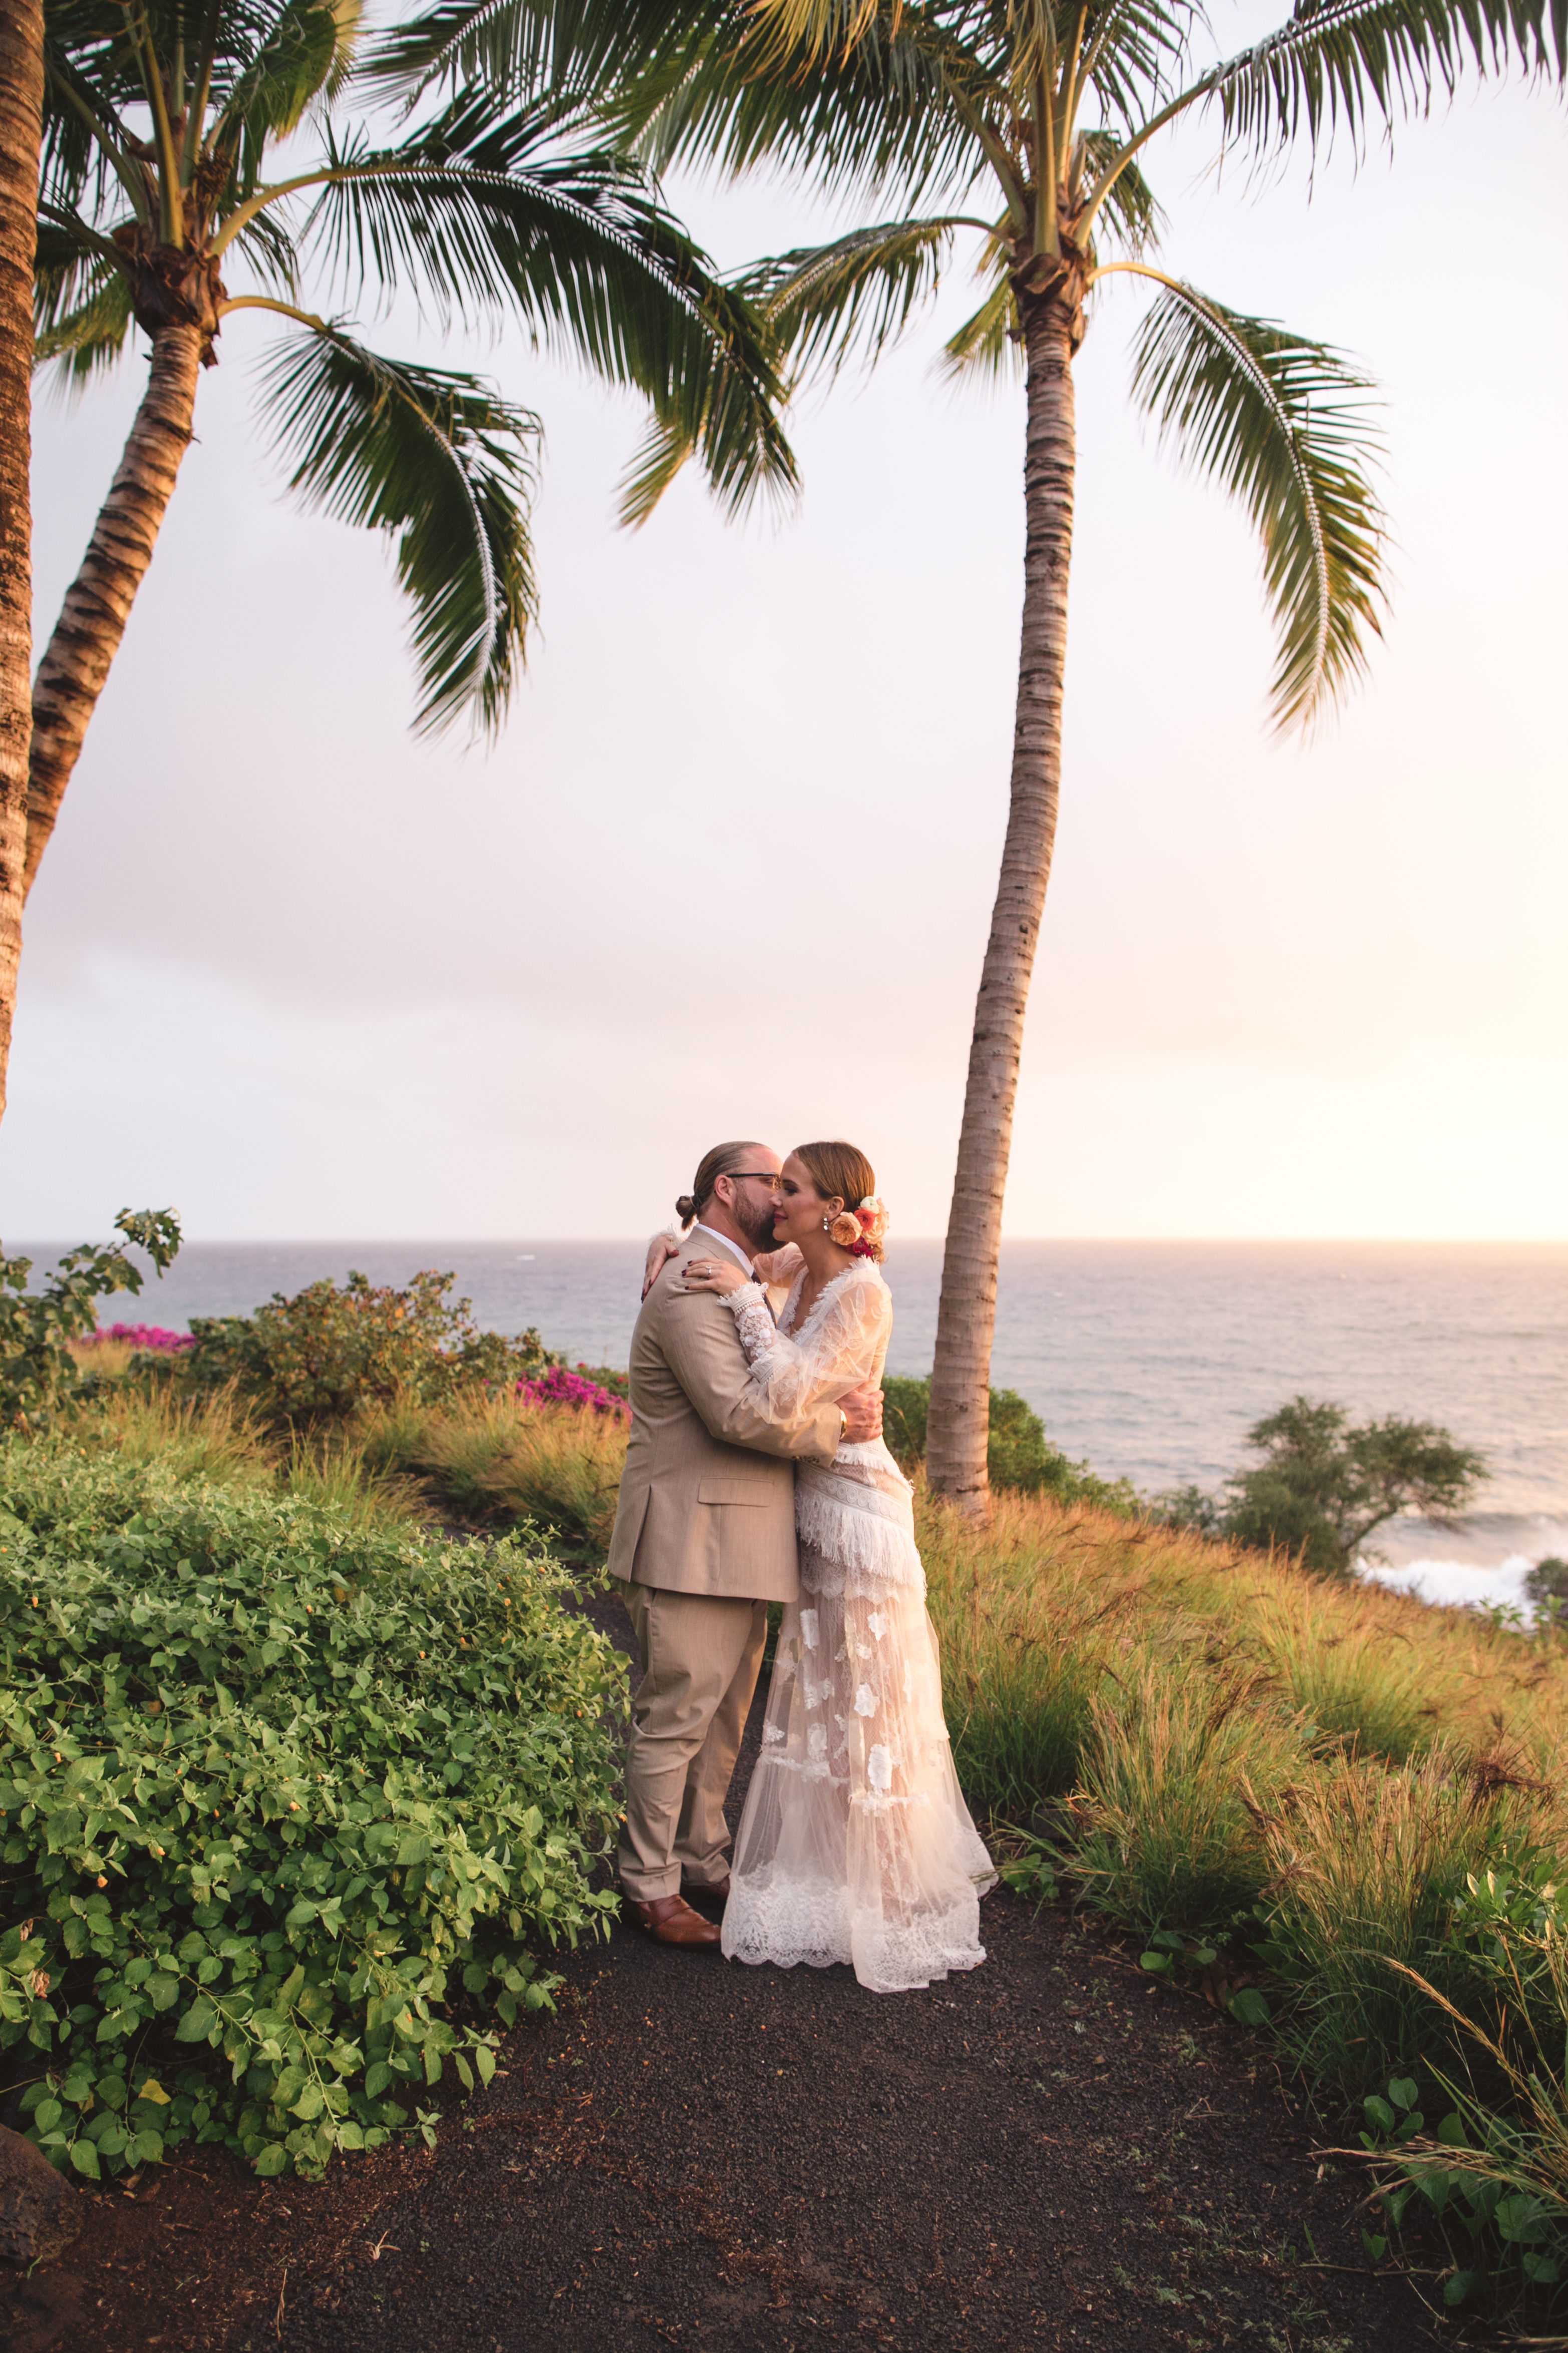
(38, 1372)
(1018, 1454)
(1323, 1487)
(323, 1355)
(276, 1789)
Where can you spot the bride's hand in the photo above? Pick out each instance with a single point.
(661, 1247)
(718, 1276)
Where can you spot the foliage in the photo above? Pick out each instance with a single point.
(327, 1353)
(139, 1336)
(1018, 1452)
(276, 1790)
(38, 1372)
(558, 1387)
(1025, 129)
(1166, 1839)
(1324, 1485)
(161, 176)
(503, 1458)
(1547, 1587)
(1493, 2179)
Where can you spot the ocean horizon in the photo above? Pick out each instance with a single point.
(1148, 1359)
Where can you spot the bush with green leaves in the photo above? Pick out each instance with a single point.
(39, 1374)
(320, 1356)
(1019, 1453)
(276, 1792)
(1324, 1485)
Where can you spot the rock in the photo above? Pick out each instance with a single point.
(40, 2214)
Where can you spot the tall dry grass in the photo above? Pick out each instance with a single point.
(505, 1459)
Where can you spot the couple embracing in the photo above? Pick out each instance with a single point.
(756, 1472)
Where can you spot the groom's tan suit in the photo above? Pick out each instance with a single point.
(704, 1540)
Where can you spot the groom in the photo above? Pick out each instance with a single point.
(704, 1540)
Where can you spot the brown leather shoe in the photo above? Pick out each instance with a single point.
(670, 1920)
(718, 1889)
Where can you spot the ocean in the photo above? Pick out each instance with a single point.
(1147, 1359)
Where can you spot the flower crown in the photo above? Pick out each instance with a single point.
(861, 1231)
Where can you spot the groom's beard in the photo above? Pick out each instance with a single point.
(755, 1222)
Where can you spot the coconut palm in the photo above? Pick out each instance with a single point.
(165, 206)
(1022, 125)
(21, 111)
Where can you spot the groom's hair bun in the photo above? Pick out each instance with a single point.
(709, 1169)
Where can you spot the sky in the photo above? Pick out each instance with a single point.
(729, 869)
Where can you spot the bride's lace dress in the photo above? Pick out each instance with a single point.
(855, 1844)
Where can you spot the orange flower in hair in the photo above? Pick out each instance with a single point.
(844, 1229)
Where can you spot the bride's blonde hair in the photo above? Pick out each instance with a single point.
(842, 1170)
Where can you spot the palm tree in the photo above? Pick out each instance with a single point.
(1024, 123)
(21, 113)
(161, 123)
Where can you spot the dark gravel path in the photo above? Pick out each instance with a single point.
(1049, 2152)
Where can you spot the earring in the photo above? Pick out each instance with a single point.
(828, 1225)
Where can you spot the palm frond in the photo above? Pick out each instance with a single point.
(271, 250)
(520, 47)
(1266, 412)
(903, 108)
(666, 448)
(303, 53)
(83, 309)
(1335, 64)
(826, 304)
(1130, 211)
(986, 347)
(593, 265)
(441, 461)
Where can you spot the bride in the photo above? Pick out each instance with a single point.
(855, 1844)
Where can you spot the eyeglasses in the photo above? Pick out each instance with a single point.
(757, 1176)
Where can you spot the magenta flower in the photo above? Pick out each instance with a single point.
(558, 1387)
(144, 1336)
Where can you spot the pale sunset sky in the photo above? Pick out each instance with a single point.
(728, 870)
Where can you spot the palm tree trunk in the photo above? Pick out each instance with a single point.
(959, 1422)
(21, 116)
(98, 603)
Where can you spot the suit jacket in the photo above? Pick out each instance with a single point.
(707, 1502)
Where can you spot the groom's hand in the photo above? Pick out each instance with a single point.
(863, 1413)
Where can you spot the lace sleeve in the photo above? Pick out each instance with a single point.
(778, 1266)
(833, 1354)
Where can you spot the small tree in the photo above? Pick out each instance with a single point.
(1324, 1485)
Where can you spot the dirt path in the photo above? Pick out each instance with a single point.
(1049, 2152)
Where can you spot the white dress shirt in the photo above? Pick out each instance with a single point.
(726, 1243)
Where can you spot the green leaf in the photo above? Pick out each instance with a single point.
(1402, 2091)
(84, 2157)
(1249, 2007)
(197, 2021)
(1451, 2131)
(1457, 2287)
(438, 460)
(46, 2114)
(485, 2061)
(1265, 412)
(1379, 2114)
(1376, 2246)
(1159, 1964)
(273, 2160)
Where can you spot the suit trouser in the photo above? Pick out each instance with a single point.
(701, 1653)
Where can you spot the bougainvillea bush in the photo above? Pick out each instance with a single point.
(279, 1797)
(140, 1335)
(330, 1351)
(558, 1387)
